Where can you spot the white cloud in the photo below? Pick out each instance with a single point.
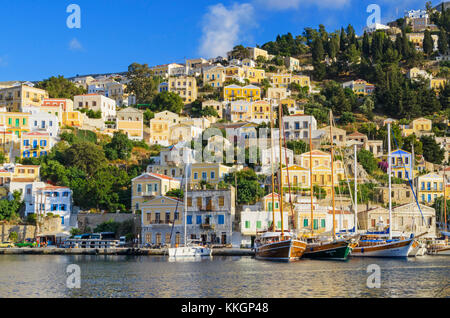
(223, 28)
(75, 45)
(297, 4)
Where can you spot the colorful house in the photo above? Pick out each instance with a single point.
(212, 173)
(35, 144)
(429, 188)
(401, 164)
(249, 93)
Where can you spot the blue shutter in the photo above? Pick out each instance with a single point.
(189, 219)
(221, 219)
(199, 219)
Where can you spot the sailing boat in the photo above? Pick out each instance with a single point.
(375, 245)
(274, 245)
(337, 249)
(192, 248)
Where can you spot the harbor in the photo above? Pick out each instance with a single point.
(120, 276)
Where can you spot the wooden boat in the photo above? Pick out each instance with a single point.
(279, 246)
(272, 244)
(335, 250)
(439, 247)
(372, 247)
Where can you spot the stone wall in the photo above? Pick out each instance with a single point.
(23, 231)
(92, 220)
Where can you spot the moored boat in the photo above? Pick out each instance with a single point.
(278, 246)
(192, 249)
(439, 247)
(334, 250)
(383, 248)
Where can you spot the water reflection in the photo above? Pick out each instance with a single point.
(220, 276)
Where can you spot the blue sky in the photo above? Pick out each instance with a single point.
(36, 42)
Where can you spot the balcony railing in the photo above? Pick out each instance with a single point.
(207, 226)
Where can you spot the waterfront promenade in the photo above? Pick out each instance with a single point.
(113, 251)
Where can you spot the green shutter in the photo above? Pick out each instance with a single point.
(316, 224)
(270, 206)
(322, 223)
(305, 223)
(247, 224)
(279, 224)
(258, 224)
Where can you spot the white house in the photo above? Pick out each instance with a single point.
(266, 158)
(41, 121)
(96, 102)
(297, 126)
(47, 198)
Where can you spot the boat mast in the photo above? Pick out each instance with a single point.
(356, 190)
(185, 201)
(332, 175)
(445, 205)
(271, 163)
(310, 178)
(280, 120)
(390, 175)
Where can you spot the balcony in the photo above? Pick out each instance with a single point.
(207, 226)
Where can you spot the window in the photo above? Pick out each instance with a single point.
(195, 175)
(221, 219)
(204, 175)
(139, 188)
(221, 201)
(189, 201)
(213, 175)
(258, 224)
(322, 223)
(199, 219)
(247, 224)
(189, 219)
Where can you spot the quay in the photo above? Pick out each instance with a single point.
(113, 251)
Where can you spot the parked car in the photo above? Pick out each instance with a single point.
(6, 244)
(27, 243)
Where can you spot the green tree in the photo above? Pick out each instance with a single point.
(249, 189)
(13, 237)
(367, 160)
(177, 193)
(168, 101)
(431, 150)
(142, 83)
(297, 146)
(443, 41)
(120, 147)
(85, 156)
(60, 87)
(428, 43)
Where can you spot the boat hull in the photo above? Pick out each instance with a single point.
(288, 250)
(332, 251)
(392, 249)
(443, 251)
(189, 251)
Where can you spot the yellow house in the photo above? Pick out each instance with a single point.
(15, 97)
(212, 173)
(249, 93)
(437, 83)
(158, 212)
(35, 144)
(292, 107)
(418, 126)
(302, 80)
(166, 207)
(261, 111)
(280, 80)
(429, 188)
(185, 87)
(267, 202)
(160, 127)
(72, 119)
(321, 169)
(298, 177)
(150, 185)
(254, 75)
(17, 123)
(131, 122)
(215, 76)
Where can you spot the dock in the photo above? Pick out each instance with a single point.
(113, 251)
